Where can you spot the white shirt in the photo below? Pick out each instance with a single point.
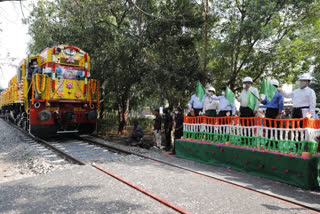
(210, 104)
(243, 98)
(224, 104)
(301, 98)
(195, 103)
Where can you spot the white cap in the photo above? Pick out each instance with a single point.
(274, 82)
(247, 79)
(211, 89)
(305, 76)
(317, 109)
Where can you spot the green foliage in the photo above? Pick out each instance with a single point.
(109, 123)
(259, 38)
(146, 52)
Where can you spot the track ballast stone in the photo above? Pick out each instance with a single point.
(19, 158)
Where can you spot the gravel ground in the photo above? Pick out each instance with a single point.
(19, 159)
(82, 189)
(292, 193)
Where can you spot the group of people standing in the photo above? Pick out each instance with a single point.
(211, 105)
(303, 101)
(173, 127)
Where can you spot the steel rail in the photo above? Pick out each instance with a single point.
(210, 177)
(46, 144)
(72, 159)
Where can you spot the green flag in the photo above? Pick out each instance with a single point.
(252, 100)
(200, 91)
(267, 89)
(229, 95)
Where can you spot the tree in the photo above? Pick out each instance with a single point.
(149, 51)
(251, 38)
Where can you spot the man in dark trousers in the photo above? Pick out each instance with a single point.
(33, 69)
(168, 125)
(274, 109)
(157, 128)
(275, 106)
(178, 126)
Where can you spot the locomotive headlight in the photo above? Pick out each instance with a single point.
(37, 105)
(44, 115)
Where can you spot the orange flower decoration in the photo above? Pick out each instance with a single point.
(60, 93)
(78, 94)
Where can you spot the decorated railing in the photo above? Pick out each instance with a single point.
(290, 136)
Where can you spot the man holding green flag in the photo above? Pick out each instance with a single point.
(226, 103)
(273, 99)
(196, 101)
(248, 99)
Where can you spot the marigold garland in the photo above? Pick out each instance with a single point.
(48, 91)
(93, 86)
(32, 97)
(41, 90)
(98, 93)
(89, 93)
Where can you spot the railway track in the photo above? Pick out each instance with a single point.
(82, 150)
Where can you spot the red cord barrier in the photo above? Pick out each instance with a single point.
(163, 201)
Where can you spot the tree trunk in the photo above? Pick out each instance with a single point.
(123, 111)
(204, 69)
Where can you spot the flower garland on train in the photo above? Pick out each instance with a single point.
(93, 87)
(41, 83)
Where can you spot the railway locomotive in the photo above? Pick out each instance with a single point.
(57, 97)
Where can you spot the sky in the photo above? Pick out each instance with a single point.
(13, 37)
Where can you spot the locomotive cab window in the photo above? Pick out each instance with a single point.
(19, 74)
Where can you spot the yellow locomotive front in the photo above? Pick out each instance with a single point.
(53, 93)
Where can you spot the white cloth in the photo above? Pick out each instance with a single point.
(210, 103)
(303, 97)
(243, 98)
(157, 135)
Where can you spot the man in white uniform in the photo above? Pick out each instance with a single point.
(303, 98)
(210, 105)
(245, 111)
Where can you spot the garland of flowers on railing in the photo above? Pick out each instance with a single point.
(294, 136)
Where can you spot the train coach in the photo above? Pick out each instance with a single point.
(52, 93)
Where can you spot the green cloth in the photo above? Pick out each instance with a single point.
(267, 89)
(229, 95)
(252, 100)
(287, 169)
(200, 91)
